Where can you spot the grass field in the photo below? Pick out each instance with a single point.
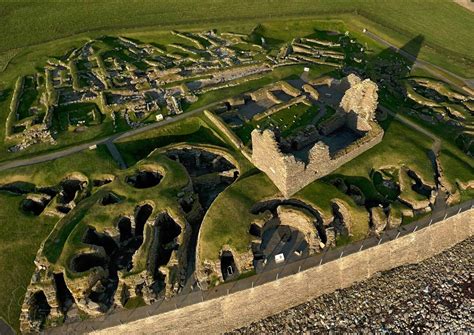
(230, 207)
(278, 30)
(192, 130)
(438, 20)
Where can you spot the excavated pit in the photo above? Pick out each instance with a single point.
(110, 199)
(51, 191)
(101, 240)
(63, 209)
(144, 179)
(85, 262)
(19, 187)
(39, 309)
(210, 174)
(255, 230)
(280, 238)
(228, 267)
(101, 182)
(419, 187)
(70, 188)
(119, 258)
(186, 204)
(34, 206)
(208, 191)
(338, 222)
(142, 213)
(200, 162)
(272, 206)
(63, 295)
(124, 226)
(168, 231)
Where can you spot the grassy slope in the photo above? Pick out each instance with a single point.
(190, 130)
(102, 217)
(401, 146)
(18, 254)
(27, 60)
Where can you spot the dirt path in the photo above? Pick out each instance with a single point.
(116, 154)
(437, 141)
(112, 138)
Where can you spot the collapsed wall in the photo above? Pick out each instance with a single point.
(291, 174)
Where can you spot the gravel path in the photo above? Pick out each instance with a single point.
(435, 295)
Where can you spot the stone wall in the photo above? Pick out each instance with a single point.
(219, 124)
(289, 174)
(243, 307)
(12, 115)
(356, 112)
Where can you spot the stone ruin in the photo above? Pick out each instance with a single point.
(104, 275)
(280, 226)
(142, 256)
(291, 170)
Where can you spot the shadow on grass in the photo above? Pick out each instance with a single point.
(4, 94)
(388, 69)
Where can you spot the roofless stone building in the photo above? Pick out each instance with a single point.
(349, 133)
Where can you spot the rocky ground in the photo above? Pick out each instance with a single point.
(433, 296)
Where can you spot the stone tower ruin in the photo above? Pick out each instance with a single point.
(355, 113)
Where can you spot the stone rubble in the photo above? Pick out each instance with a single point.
(433, 296)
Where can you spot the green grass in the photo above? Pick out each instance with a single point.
(20, 238)
(288, 120)
(400, 146)
(258, 81)
(70, 115)
(65, 241)
(191, 130)
(52, 172)
(28, 59)
(228, 219)
(437, 20)
(5, 58)
(24, 47)
(28, 97)
(135, 302)
(320, 194)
